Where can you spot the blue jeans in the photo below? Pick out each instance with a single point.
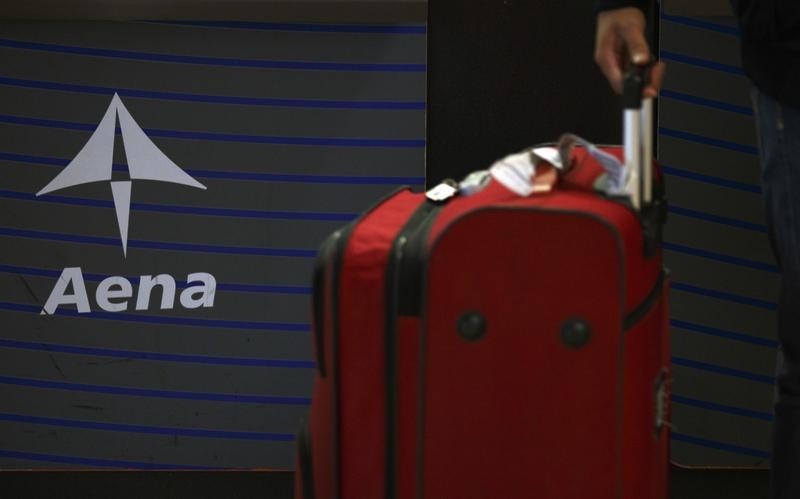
(779, 145)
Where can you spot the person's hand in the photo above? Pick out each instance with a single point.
(620, 40)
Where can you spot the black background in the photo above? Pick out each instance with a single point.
(507, 74)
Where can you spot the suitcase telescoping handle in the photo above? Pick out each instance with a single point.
(638, 150)
(638, 135)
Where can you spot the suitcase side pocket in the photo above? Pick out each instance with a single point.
(652, 299)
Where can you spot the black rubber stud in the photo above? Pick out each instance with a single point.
(576, 333)
(471, 326)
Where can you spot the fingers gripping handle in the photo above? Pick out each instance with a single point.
(638, 135)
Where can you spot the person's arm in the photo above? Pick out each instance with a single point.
(620, 40)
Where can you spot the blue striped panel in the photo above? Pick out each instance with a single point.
(713, 444)
(245, 288)
(696, 23)
(153, 430)
(172, 321)
(227, 175)
(157, 356)
(202, 248)
(720, 257)
(708, 217)
(214, 99)
(722, 295)
(311, 216)
(187, 210)
(701, 101)
(95, 462)
(212, 61)
(702, 63)
(228, 137)
(726, 409)
(708, 141)
(303, 364)
(725, 371)
(717, 70)
(148, 392)
(721, 333)
(39, 160)
(395, 29)
(310, 179)
(256, 288)
(709, 179)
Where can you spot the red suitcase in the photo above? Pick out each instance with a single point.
(493, 345)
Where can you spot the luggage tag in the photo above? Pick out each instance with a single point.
(551, 155)
(616, 180)
(474, 182)
(446, 189)
(549, 164)
(533, 171)
(545, 178)
(515, 172)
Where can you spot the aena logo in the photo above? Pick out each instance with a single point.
(113, 292)
(94, 163)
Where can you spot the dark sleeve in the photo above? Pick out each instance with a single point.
(601, 5)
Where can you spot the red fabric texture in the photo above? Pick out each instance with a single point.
(362, 347)
(408, 336)
(586, 170)
(517, 413)
(645, 449)
(640, 272)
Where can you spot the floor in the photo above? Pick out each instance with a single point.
(686, 484)
(718, 484)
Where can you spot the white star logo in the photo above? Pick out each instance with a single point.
(95, 161)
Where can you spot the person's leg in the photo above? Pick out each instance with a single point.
(779, 145)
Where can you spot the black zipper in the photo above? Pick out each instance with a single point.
(643, 308)
(306, 464)
(321, 265)
(412, 266)
(406, 248)
(341, 239)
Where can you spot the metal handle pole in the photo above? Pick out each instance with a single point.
(633, 153)
(647, 150)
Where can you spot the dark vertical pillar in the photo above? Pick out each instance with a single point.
(503, 75)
